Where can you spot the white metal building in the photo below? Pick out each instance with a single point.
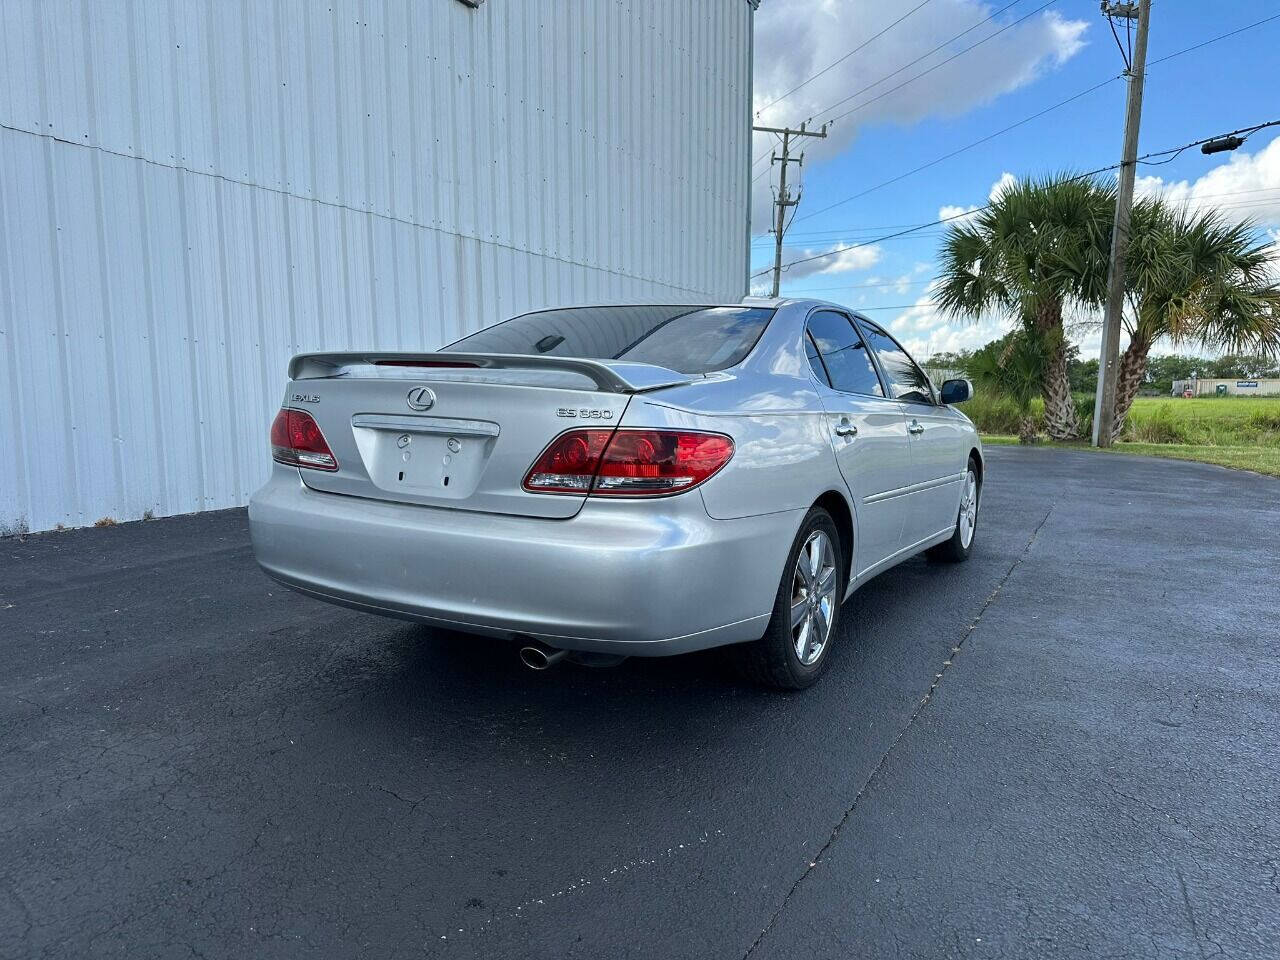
(193, 190)
(1240, 388)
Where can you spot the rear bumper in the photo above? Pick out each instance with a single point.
(630, 577)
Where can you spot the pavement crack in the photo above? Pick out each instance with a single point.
(884, 758)
(411, 802)
(1191, 916)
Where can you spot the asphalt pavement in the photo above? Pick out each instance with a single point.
(1067, 747)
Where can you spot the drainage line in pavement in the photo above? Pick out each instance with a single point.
(937, 679)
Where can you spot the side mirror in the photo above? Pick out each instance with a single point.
(956, 391)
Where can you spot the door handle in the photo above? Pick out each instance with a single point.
(846, 429)
(915, 427)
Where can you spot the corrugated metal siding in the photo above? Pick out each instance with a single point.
(190, 192)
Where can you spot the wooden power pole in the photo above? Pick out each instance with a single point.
(784, 199)
(1104, 406)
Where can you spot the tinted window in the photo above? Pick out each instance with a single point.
(685, 338)
(906, 380)
(844, 355)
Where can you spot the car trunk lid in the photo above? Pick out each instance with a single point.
(457, 430)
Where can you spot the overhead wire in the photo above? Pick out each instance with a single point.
(960, 150)
(837, 62)
(968, 213)
(923, 73)
(908, 64)
(1037, 115)
(1222, 36)
(834, 233)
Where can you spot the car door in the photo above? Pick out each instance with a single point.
(937, 437)
(868, 433)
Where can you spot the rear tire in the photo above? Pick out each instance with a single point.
(958, 548)
(794, 650)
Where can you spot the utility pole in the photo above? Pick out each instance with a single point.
(1104, 406)
(784, 199)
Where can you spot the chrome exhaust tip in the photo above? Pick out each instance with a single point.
(541, 657)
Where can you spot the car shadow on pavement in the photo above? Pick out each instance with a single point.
(422, 678)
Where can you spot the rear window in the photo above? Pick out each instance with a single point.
(686, 339)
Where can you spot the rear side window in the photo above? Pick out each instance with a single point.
(842, 359)
(688, 339)
(906, 380)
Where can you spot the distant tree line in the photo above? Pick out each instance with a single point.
(1160, 373)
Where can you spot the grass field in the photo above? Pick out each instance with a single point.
(1240, 432)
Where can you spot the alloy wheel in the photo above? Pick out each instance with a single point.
(968, 509)
(813, 597)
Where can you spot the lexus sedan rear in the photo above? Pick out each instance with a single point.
(615, 481)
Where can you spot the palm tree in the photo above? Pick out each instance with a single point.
(1194, 277)
(1012, 367)
(1038, 250)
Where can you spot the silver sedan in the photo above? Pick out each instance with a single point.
(602, 482)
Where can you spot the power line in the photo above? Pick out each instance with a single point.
(837, 235)
(968, 213)
(922, 73)
(910, 63)
(1224, 36)
(900, 284)
(960, 150)
(895, 306)
(1195, 143)
(1167, 57)
(1034, 116)
(842, 59)
(1125, 55)
(867, 243)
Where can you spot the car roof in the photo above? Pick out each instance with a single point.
(776, 302)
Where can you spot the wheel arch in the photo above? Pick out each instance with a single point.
(837, 505)
(976, 455)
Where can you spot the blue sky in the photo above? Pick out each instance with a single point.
(1029, 65)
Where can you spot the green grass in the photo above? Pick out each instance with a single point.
(1206, 421)
(1239, 432)
(1258, 459)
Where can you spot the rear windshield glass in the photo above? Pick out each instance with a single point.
(685, 338)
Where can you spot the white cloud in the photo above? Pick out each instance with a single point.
(941, 336)
(846, 261)
(950, 211)
(1006, 181)
(855, 258)
(797, 38)
(924, 330)
(904, 283)
(1248, 185)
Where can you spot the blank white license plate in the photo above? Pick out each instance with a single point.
(425, 455)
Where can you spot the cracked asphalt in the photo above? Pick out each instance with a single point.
(1067, 747)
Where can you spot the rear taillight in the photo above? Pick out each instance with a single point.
(569, 464)
(628, 463)
(296, 440)
(660, 461)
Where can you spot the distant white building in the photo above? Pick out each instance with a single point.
(1210, 388)
(192, 192)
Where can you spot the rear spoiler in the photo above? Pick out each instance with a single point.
(610, 376)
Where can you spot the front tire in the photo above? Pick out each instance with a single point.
(795, 648)
(958, 548)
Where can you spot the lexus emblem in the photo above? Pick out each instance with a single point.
(421, 398)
